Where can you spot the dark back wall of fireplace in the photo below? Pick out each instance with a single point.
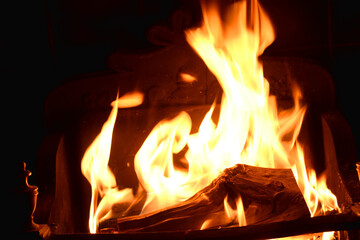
(46, 43)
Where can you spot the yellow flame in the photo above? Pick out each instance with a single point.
(237, 215)
(250, 130)
(94, 167)
(229, 216)
(318, 197)
(154, 163)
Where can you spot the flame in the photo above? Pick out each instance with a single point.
(94, 167)
(128, 100)
(318, 197)
(187, 78)
(239, 214)
(229, 216)
(154, 164)
(249, 130)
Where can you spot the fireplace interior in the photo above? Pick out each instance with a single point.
(94, 51)
(324, 129)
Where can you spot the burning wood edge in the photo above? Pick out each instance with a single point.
(348, 220)
(268, 195)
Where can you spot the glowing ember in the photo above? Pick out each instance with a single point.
(250, 130)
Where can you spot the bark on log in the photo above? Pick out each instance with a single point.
(269, 195)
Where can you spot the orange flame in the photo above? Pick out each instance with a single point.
(238, 215)
(94, 167)
(229, 216)
(129, 100)
(154, 166)
(187, 78)
(250, 130)
(318, 197)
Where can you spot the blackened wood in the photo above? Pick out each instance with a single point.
(269, 195)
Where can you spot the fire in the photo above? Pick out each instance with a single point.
(154, 165)
(318, 197)
(129, 100)
(238, 215)
(94, 167)
(187, 78)
(230, 215)
(250, 129)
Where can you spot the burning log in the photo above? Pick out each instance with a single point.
(268, 195)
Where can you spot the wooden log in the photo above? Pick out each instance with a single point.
(268, 195)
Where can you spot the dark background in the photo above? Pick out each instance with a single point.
(44, 43)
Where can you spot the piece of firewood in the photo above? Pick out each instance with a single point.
(268, 195)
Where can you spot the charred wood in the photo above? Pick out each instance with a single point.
(268, 195)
